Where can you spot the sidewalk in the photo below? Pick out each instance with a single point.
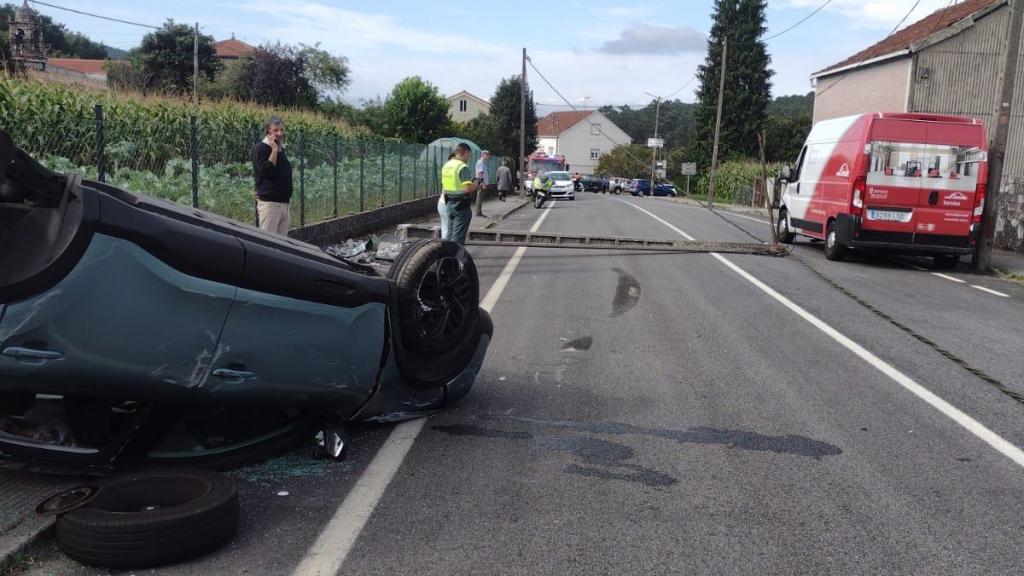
(494, 212)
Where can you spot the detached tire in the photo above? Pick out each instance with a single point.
(150, 518)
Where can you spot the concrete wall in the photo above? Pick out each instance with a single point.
(878, 88)
(336, 231)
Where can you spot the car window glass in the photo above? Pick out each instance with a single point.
(799, 164)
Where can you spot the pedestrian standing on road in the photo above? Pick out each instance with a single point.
(273, 177)
(504, 181)
(459, 186)
(483, 175)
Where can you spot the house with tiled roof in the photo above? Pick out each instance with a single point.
(463, 106)
(231, 49)
(949, 62)
(582, 136)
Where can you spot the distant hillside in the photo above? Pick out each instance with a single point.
(62, 42)
(792, 106)
(115, 53)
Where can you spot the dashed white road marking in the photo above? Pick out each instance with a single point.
(990, 291)
(997, 442)
(335, 542)
(950, 278)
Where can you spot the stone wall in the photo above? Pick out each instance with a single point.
(1010, 215)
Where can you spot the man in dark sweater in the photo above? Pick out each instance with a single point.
(273, 175)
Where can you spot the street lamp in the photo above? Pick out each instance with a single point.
(654, 149)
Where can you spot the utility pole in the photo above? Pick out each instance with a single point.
(195, 66)
(654, 149)
(522, 126)
(718, 125)
(997, 151)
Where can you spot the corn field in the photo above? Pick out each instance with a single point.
(161, 148)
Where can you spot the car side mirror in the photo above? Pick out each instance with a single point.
(785, 173)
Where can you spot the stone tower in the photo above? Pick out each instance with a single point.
(26, 35)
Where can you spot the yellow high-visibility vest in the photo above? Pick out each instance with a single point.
(450, 182)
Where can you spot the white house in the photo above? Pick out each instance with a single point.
(580, 136)
(463, 107)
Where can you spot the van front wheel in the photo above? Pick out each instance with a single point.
(833, 249)
(782, 230)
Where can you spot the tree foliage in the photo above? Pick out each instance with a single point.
(505, 112)
(747, 82)
(415, 111)
(625, 161)
(328, 73)
(164, 63)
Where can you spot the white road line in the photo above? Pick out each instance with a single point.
(990, 291)
(950, 278)
(329, 551)
(742, 216)
(1001, 445)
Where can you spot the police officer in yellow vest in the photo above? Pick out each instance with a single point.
(459, 186)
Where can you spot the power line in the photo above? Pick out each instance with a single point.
(94, 15)
(566, 100)
(895, 28)
(801, 21)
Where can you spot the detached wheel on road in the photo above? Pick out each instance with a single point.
(833, 249)
(945, 261)
(151, 518)
(438, 308)
(782, 230)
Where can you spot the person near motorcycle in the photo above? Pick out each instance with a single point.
(541, 185)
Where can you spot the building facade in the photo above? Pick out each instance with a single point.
(463, 107)
(950, 62)
(581, 136)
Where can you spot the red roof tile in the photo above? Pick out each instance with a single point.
(78, 65)
(557, 122)
(917, 31)
(232, 48)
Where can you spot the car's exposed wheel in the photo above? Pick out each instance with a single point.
(833, 249)
(782, 230)
(438, 310)
(945, 261)
(151, 518)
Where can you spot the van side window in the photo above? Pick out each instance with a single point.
(799, 164)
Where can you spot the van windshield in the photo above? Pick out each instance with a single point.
(910, 165)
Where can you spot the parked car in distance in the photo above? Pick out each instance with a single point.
(617, 185)
(903, 182)
(642, 187)
(593, 183)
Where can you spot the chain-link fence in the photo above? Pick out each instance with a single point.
(210, 167)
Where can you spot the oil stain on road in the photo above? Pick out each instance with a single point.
(627, 294)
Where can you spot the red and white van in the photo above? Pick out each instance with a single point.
(912, 183)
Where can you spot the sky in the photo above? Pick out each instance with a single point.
(592, 52)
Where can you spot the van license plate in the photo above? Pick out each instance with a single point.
(889, 215)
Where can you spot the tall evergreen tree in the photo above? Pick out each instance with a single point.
(747, 82)
(505, 118)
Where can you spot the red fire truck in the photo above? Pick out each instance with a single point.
(540, 163)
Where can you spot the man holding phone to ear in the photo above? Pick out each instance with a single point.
(273, 175)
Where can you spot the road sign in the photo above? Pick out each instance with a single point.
(655, 142)
(659, 173)
(689, 169)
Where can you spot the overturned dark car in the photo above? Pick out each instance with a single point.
(138, 330)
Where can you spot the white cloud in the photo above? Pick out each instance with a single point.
(879, 14)
(642, 38)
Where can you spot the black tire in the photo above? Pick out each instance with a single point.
(786, 236)
(945, 261)
(538, 201)
(428, 355)
(439, 295)
(833, 249)
(151, 518)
